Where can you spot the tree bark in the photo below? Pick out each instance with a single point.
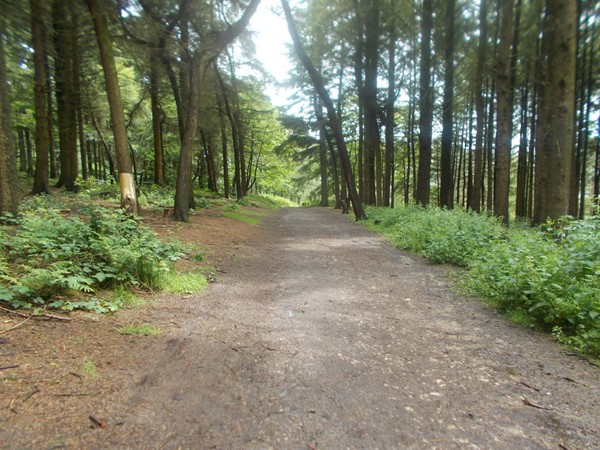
(372, 142)
(475, 198)
(126, 179)
(390, 110)
(504, 113)
(446, 187)
(159, 175)
(9, 183)
(65, 98)
(425, 107)
(555, 124)
(522, 162)
(331, 113)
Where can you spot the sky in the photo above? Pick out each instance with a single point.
(271, 37)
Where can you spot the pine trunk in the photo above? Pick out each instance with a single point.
(425, 107)
(126, 179)
(556, 100)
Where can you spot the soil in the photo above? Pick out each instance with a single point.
(316, 334)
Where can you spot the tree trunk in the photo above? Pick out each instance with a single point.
(322, 153)
(65, 97)
(29, 153)
(9, 183)
(425, 107)
(159, 163)
(220, 106)
(589, 87)
(446, 188)
(522, 162)
(475, 198)
(504, 114)
(555, 123)
(331, 113)
(126, 179)
(50, 112)
(372, 150)
(78, 103)
(388, 186)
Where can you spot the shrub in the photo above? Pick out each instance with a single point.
(48, 257)
(442, 236)
(549, 278)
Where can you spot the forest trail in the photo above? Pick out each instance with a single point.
(320, 335)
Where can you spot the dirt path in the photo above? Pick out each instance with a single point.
(321, 335)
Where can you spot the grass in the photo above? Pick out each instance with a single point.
(145, 329)
(242, 216)
(546, 277)
(89, 368)
(184, 283)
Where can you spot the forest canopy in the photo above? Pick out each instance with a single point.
(488, 106)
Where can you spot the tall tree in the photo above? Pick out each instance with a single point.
(42, 146)
(201, 59)
(9, 192)
(331, 112)
(556, 101)
(390, 123)
(62, 13)
(372, 141)
(505, 109)
(126, 179)
(425, 106)
(446, 187)
(475, 198)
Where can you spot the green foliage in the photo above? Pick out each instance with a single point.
(54, 260)
(89, 368)
(145, 329)
(184, 283)
(548, 279)
(242, 216)
(269, 201)
(442, 236)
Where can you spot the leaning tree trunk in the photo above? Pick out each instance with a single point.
(331, 113)
(126, 179)
(555, 123)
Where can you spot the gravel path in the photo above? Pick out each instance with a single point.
(322, 336)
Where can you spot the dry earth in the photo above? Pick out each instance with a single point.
(317, 335)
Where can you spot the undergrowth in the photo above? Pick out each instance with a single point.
(548, 277)
(49, 259)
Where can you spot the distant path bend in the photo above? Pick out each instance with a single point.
(321, 335)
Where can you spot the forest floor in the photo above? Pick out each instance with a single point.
(317, 335)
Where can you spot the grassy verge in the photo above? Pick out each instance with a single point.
(547, 278)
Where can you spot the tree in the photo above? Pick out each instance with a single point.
(9, 192)
(475, 198)
(42, 145)
(425, 106)
(64, 39)
(446, 172)
(556, 101)
(505, 110)
(126, 180)
(331, 112)
(201, 59)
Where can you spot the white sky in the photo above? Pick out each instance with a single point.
(271, 39)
